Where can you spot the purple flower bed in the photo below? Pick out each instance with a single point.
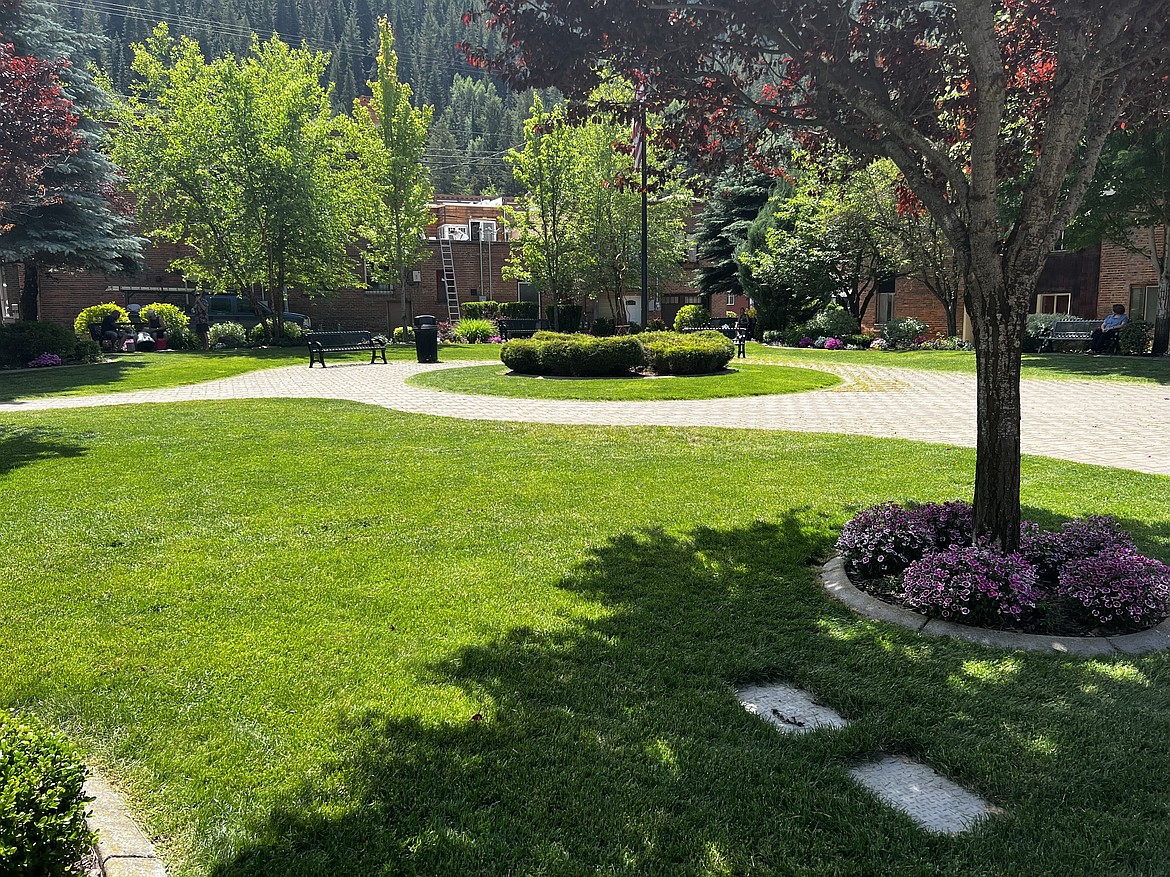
(45, 360)
(1087, 577)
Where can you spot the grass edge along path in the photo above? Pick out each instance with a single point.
(320, 637)
(740, 379)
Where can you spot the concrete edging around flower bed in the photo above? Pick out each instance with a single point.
(122, 848)
(837, 583)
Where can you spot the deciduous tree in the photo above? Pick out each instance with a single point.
(995, 111)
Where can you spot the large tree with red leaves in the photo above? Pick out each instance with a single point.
(994, 110)
(37, 125)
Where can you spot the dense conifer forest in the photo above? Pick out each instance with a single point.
(476, 119)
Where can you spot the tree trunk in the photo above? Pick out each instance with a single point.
(999, 330)
(952, 319)
(1162, 315)
(30, 292)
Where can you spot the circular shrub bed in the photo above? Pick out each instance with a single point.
(699, 353)
(578, 356)
(1085, 579)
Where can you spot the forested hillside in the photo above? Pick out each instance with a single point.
(476, 120)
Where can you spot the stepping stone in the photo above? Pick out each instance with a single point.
(789, 709)
(927, 797)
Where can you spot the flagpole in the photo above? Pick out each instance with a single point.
(645, 229)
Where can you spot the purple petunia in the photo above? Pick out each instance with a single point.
(971, 583)
(1117, 585)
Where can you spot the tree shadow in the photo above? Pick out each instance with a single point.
(26, 383)
(20, 446)
(1148, 367)
(615, 744)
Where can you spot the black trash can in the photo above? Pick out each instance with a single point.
(426, 338)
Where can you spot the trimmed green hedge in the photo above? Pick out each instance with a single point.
(519, 310)
(691, 317)
(583, 356)
(670, 353)
(42, 805)
(22, 342)
(480, 310)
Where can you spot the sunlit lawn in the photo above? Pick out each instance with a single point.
(1059, 366)
(312, 637)
(739, 379)
(124, 372)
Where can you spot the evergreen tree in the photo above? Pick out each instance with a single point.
(722, 230)
(75, 222)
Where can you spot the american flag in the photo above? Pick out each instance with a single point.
(639, 135)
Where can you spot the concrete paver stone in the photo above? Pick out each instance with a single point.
(788, 708)
(927, 797)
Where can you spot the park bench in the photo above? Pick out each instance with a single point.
(321, 343)
(521, 328)
(1074, 330)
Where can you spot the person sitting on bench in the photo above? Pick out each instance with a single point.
(1106, 335)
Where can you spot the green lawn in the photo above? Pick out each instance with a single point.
(1058, 366)
(125, 372)
(742, 379)
(316, 638)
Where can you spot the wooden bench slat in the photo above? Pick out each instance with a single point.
(320, 343)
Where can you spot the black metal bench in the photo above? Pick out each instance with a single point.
(1076, 330)
(521, 328)
(321, 343)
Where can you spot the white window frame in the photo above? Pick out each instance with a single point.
(1056, 299)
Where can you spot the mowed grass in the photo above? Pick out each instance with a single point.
(740, 379)
(1044, 366)
(125, 372)
(319, 638)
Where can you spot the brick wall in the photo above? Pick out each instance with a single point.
(1121, 270)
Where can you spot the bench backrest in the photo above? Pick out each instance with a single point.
(338, 339)
(1073, 328)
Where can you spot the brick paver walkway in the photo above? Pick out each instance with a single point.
(1100, 422)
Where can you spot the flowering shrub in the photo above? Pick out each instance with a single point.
(45, 360)
(476, 331)
(904, 332)
(948, 523)
(1117, 585)
(1079, 538)
(805, 342)
(879, 344)
(834, 344)
(882, 540)
(978, 584)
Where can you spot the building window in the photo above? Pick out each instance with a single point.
(483, 230)
(1054, 303)
(1057, 247)
(1143, 303)
(885, 308)
(731, 299)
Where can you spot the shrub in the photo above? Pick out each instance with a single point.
(1036, 327)
(291, 336)
(87, 350)
(635, 327)
(902, 333)
(656, 325)
(403, 335)
(519, 310)
(1078, 538)
(476, 331)
(564, 318)
(946, 342)
(860, 340)
(773, 336)
(834, 344)
(945, 524)
(258, 335)
(601, 327)
(171, 316)
(227, 334)
(573, 355)
(45, 360)
(95, 314)
(691, 317)
(521, 356)
(1134, 338)
(1117, 586)
(833, 322)
(669, 353)
(480, 310)
(182, 339)
(22, 342)
(979, 584)
(42, 805)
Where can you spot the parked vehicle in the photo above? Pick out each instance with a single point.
(227, 308)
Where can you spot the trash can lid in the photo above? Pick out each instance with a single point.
(425, 320)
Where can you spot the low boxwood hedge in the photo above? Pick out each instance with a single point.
(42, 805)
(552, 353)
(699, 353)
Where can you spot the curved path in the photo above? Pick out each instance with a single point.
(1099, 422)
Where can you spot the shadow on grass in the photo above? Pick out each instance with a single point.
(20, 446)
(1149, 368)
(616, 745)
(37, 382)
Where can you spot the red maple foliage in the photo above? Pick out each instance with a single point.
(37, 125)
